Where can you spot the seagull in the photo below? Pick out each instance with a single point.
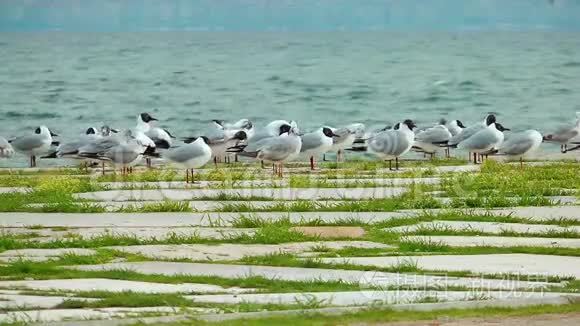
(6, 150)
(71, 149)
(471, 130)
(317, 143)
(126, 152)
(428, 140)
(228, 131)
(35, 144)
(274, 129)
(241, 125)
(454, 126)
(484, 141)
(564, 135)
(191, 156)
(220, 144)
(392, 143)
(140, 135)
(344, 138)
(520, 145)
(275, 149)
(161, 137)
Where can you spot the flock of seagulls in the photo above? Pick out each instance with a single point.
(280, 141)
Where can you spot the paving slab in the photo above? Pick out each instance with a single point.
(16, 301)
(537, 213)
(480, 241)
(142, 233)
(359, 298)
(363, 278)
(201, 205)
(81, 315)
(274, 193)
(384, 181)
(101, 284)
(487, 227)
(42, 254)
(7, 190)
(197, 185)
(436, 169)
(179, 219)
(325, 232)
(555, 200)
(477, 304)
(521, 264)
(229, 251)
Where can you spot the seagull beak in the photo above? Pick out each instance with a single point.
(114, 130)
(153, 119)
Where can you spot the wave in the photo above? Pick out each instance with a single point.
(468, 84)
(359, 94)
(29, 115)
(571, 64)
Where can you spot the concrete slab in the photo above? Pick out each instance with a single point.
(142, 233)
(197, 185)
(42, 254)
(7, 190)
(570, 212)
(101, 284)
(554, 200)
(56, 315)
(229, 251)
(385, 181)
(325, 232)
(360, 298)
(363, 278)
(537, 213)
(201, 205)
(178, 219)
(274, 193)
(487, 227)
(471, 241)
(436, 169)
(336, 311)
(16, 301)
(521, 264)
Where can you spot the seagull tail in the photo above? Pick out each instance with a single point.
(150, 152)
(50, 155)
(236, 149)
(357, 149)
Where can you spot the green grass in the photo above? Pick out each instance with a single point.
(509, 180)
(383, 315)
(165, 206)
(126, 299)
(50, 270)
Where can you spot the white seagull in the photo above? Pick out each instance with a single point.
(392, 143)
(565, 135)
(35, 144)
(520, 145)
(317, 143)
(190, 156)
(6, 150)
(345, 137)
(484, 141)
(429, 140)
(275, 149)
